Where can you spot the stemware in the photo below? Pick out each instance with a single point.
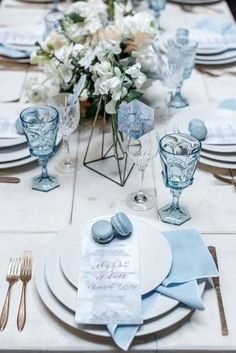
(141, 150)
(179, 157)
(40, 124)
(157, 6)
(188, 49)
(69, 116)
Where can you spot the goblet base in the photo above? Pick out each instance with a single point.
(178, 102)
(65, 167)
(45, 184)
(146, 202)
(176, 216)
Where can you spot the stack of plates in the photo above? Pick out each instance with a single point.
(57, 276)
(213, 48)
(219, 155)
(14, 149)
(195, 2)
(17, 43)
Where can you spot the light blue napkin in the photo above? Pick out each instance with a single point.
(228, 104)
(227, 28)
(191, 262)
(13, 53)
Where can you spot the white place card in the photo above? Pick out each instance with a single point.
(109, 282)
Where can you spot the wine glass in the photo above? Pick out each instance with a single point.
(179, 157)
(141, 150)
(157, 6)
(69, 116)
(40, 124)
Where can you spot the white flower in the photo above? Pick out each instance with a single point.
(35, 91)
(104, 86)
(139, 81)
(148, 59)
(103, 69)
(111, 107)
(54, 41)
(134, 70)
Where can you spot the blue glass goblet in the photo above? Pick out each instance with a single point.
(157, 6)
(40, 124)
(179, 157)
(188, 51)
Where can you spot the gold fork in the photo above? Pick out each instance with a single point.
(13, 275)
(25, 276)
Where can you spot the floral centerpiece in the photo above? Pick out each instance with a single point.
(98, 39)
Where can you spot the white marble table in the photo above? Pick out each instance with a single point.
(30, 219)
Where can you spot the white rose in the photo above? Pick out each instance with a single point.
(36, 92)
(111, 107)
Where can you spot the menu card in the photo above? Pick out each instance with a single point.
(109, 283)
(221, 132)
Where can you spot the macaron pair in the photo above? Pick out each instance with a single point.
(104, 231)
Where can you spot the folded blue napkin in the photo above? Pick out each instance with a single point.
(228, 104)
(191, 262)
(13, 53)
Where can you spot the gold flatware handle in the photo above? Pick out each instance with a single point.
(21, 317)
(10, 180)
(224, 327)
(216, 282)
(5, 310)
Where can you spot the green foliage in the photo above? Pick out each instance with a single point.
(76, 18)
(132, 95)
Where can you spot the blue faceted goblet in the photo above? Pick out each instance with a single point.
(179, 157)
(40, 124)
(157, 6)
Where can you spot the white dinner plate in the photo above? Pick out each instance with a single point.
(216, 62)
(217, 57)
(153, 250)
(17, 163)
(180, 122)
(65, 292)
(220, 157)
(14, 153)
(195, 2)
(217, 164)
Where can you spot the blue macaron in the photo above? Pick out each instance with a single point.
(19, 127)
(122, 225)
(198, 129)
(102, 232)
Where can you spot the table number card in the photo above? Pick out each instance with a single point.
(109, 284)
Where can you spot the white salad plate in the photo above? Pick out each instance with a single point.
(216, 62)
(66, 293)
(170, 320)
(153, 248)
(180, 123)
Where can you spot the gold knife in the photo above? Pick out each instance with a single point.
(11, 180)
(216, 282)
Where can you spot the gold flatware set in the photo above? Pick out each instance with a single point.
(18, 268)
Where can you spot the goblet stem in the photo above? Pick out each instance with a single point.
(43, 161)
(140, 194)
(177, 100)
(67, 150)
(176, 195)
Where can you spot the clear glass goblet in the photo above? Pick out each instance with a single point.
(157, 6)
(69, 117)
(188, 51)
(179, 157)
(40, 124)
(141, 151)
